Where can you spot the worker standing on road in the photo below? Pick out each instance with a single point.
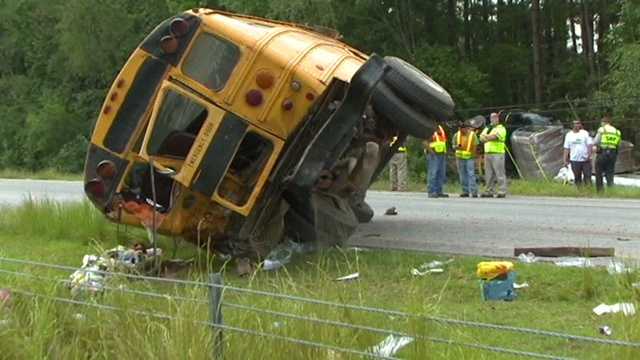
(494, 137)
(577, 152)
(436, 152)
(398, 168)
(465, 142)
(606, 145)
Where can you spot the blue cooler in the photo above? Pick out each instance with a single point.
(499, 289)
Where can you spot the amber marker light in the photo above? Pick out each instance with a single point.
(107, 109)
(169, 44)
(106, 169)
(265, 80)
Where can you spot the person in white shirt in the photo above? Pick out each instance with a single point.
(577, 152)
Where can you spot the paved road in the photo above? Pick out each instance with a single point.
(14, 192)
(496, 226)
(454, 225)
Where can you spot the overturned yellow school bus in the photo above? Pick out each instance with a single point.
(236, 132)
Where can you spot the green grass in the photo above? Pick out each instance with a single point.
(559, 299)
(532, 188)
(48, 174)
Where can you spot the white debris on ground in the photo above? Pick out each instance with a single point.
(628, 309)
(527, 258)
(573, 262)
(433, 267)
(349, 277)
(282, 254)
(390, 345)
(92, 275)
(520, 286)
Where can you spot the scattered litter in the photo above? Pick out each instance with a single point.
(416, 272)
(520, 286)
(90, 277)
(349, 277)
(79, 316)
(277, 324)
(623, 239)
(565, 176)
(616, 267)
(281, 255)
(573, 262)
(391, 211)
(358, 249)
(605, 330)
(492, 269)
(627, 309)
(390, 345)
(527, 258)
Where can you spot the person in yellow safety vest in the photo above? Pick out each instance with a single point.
(606, 146)
(465, 142)
(436, 152)
(398, 168)
(494, 137)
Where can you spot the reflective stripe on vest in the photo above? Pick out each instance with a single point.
(465, 153)
(439, 141)
(400, 148)
(610, 137)
(495, 146)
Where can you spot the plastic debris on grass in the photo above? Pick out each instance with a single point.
(416, 272)
(282, 254)
(91, 276)
(617, 267)
(527, 258)
(628, 309)
(433, 267)
(349, 277)
(520, 286)
(573, 262)
(390, 345)
(605, 330)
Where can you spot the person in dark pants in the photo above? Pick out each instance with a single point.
(577, 152)
(606, 144)
(436, 152)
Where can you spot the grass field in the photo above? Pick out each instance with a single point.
(48, 174)
(559, 299)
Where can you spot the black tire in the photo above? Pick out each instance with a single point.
(386, 103)
(418, 89)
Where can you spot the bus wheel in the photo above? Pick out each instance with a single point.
(386, 103)
(418, 89)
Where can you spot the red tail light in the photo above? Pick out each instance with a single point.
(179, 27)
(106, 169)
(265, 80)
(254, 97)
(95, 189)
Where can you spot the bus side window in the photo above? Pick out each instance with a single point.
(245, 168)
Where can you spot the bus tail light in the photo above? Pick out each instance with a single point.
(254, 97)
(179, 27)
(169, 44)
(265, 80)
(95, 188)
(106, 169)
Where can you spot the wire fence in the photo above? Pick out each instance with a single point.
(218, 300)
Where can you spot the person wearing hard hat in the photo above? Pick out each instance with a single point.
(436, 151)
(465, 143)
(606, 145)
(494, 137)
(398, 167)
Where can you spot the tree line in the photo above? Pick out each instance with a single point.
(566, 57)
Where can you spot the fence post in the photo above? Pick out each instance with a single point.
(215, 312)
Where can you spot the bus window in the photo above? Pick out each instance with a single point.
(211, 61)
(245, 168)
(176, 126)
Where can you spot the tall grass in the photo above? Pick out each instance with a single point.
(46, 174)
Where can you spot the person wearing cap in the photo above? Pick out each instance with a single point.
(606, 145)
(465, 142)
(436, 151)
(494, 137)
(398, 167)
(577, 152)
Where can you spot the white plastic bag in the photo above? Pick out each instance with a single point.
(565, 175)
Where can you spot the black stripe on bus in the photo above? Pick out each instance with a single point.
(220, 153)
(135, 104)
